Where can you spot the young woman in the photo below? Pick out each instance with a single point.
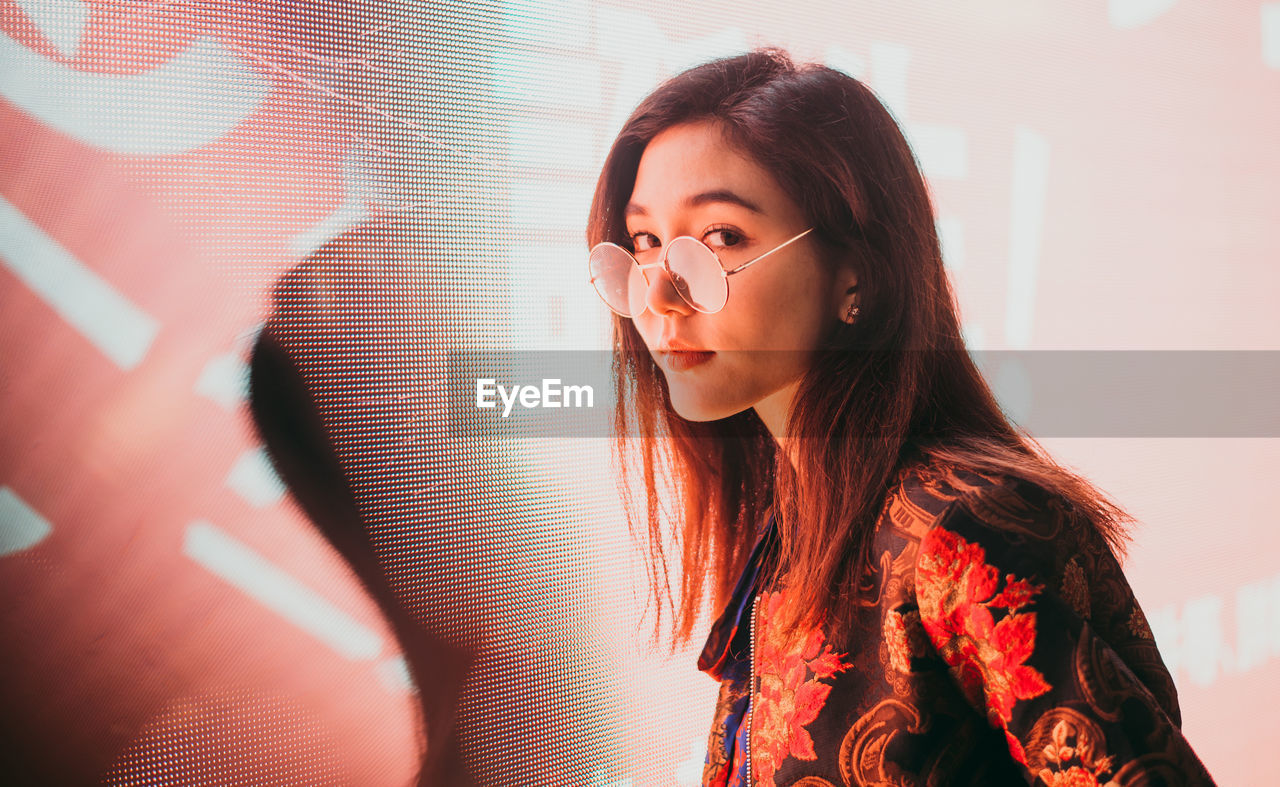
(912, 591)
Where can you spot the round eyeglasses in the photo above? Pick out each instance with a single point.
(693, 266)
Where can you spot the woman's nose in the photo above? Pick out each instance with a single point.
(661, 295)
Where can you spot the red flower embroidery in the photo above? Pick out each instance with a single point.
(791, 692)
(956, 590)
(1073, 777)
(905, 638)
(895, 636)
(1071, 743)
(1015, 747)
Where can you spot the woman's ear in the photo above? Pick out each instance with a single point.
(846, 290)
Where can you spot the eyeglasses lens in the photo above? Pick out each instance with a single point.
(697, 275)
(613, 272)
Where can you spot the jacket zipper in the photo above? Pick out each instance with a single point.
(751, 685)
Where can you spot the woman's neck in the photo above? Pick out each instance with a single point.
(773, 411)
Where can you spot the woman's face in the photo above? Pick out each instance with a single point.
(691, 181)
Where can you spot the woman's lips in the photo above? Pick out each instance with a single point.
(680, 360)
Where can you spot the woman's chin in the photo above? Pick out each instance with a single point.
(695, 409)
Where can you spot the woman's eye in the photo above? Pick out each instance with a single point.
(643, 241)
(721, 238)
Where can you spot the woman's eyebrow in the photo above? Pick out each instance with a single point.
(700, 199)
(722, 195)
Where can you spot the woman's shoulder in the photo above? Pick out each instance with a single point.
(1019, 562)
(1018, 536)
(928, 492)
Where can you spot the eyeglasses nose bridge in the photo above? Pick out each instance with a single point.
(662, 263)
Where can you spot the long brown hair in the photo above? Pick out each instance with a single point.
(896, 386)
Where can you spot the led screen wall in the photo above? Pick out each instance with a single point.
(392, 192)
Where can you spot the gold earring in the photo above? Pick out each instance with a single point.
(852, 314)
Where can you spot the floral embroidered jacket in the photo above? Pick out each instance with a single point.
(999, 645)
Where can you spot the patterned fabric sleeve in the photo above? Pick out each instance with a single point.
(1044, 638)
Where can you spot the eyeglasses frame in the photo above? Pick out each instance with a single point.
(724, 274)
